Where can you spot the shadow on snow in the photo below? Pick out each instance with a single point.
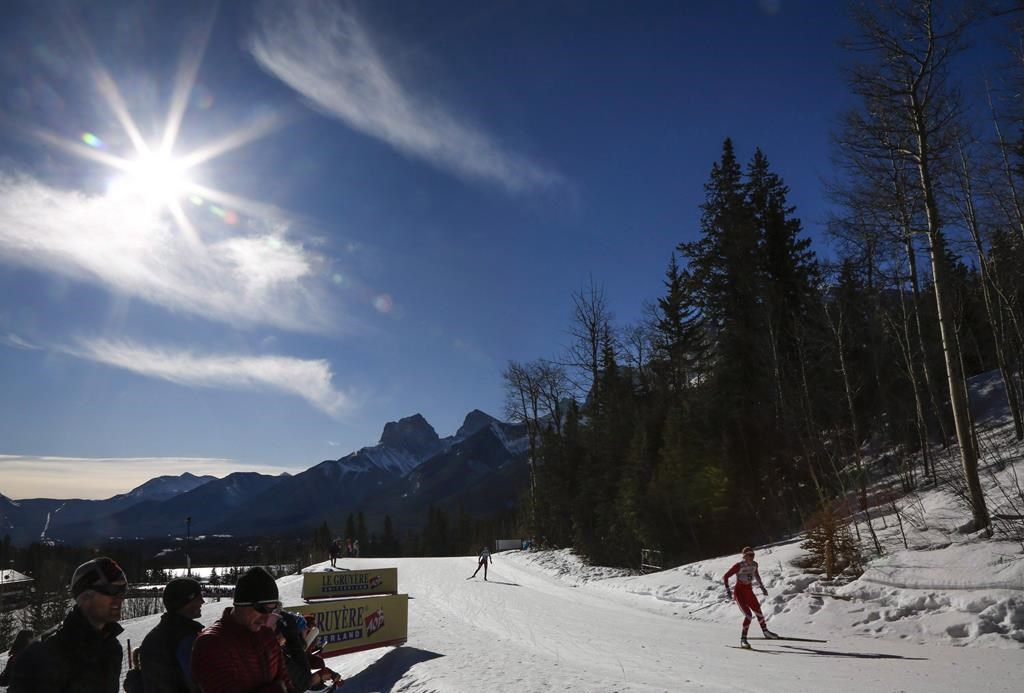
(383, 674)
(857, 655)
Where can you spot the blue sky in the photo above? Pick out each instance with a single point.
(368, 209)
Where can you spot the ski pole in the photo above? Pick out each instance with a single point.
(706, 606)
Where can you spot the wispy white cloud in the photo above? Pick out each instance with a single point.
(308, 379)
(12, 340)
(322, 51)
(30, 476)
(248, 276)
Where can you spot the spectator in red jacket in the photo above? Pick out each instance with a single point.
(238, 653)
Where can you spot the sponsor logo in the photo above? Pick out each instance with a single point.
(343, 636)
(374, 622)
(375, 581)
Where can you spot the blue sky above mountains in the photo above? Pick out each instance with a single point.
(249, 235)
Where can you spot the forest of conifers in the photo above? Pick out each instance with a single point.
(767, 384)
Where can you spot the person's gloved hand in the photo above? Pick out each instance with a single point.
(292, 626)
(728, 594)
(764, 591)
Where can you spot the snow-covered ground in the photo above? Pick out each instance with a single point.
(546, 622)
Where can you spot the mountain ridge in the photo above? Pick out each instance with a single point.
(240, 503)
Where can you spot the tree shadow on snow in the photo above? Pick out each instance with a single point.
(383, 674)
(856, 655)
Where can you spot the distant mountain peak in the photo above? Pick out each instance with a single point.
(164, 487)
(411, 434)
(475, 420)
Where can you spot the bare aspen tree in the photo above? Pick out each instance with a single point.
(835, 320)
(905, 87)
(989, 290)
(522, 405)
(535, 394)
(591, 338)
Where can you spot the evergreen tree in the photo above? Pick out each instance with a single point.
(360, 533)
(723, 275)
(678, 330)
(389, 543)
(350, 527)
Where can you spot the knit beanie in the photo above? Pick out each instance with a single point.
(180, 591)
(256, 586)
(100, 572)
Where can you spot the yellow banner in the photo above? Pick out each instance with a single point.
(363, 623)
(349, 583)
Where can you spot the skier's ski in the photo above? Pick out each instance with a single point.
(782, 637)
(752, 649)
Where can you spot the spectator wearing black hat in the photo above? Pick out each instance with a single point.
(166, 652)
(238, 653)
(82, 654)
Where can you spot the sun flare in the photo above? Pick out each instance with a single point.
(155, 177)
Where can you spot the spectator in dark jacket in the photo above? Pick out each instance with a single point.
(82, 654)
(21, 641)
(238, 654)
(166, 653)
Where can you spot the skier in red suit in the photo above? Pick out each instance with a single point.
(746, 572)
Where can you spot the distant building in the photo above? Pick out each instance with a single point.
(15, 589)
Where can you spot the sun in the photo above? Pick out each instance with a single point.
(156, 177)
(150, 178)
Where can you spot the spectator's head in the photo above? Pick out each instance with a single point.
(256, 597)
(184, 596)
(99, 587)
(21, 641)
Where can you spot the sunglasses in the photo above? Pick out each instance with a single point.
(268, 608)
(110, 590)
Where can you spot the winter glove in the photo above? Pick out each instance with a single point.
(291, 626)
(764, 591)
(728, 594)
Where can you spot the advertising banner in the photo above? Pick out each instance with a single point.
(349, 583)
(363, 623)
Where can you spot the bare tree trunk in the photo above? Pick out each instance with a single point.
(1016, 206)
(992, 312)
(957, 392)
(906, 232)
(837, 330)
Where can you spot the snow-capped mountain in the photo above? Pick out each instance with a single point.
(481, 468)
(207, 504)
(164, 487)
(51, 518)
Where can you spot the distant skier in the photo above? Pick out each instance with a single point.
(746, 572)
(485, 558)
(335, 552)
